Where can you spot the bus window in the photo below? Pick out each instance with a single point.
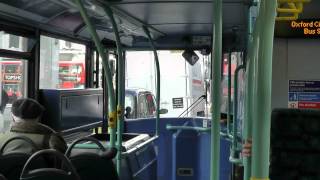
(62, 64)
(13, 42)
(225, 78)
(14, 75)
(98, 68)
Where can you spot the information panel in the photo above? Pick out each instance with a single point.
(177, 103)
(304, 94)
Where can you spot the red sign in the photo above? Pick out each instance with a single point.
(309, 105)
(11, 77)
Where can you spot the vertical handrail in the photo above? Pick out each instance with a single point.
(249, 96)
(229, 95)
(121, 85)
(247, 124)
(156, 59)
(234, 145)
(262, 124)
(216, 89)
(248, 100)
(101, 50)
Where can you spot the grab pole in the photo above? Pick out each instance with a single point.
(121, 85)
(156, 59)
(216, 88)
(101, 50)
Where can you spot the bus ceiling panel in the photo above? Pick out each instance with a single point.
(175, 42)
(126, 24)
(63, 16)
(182, 13)
(127, 21)
(186, 29)
(41, 7)
(103, 34)
(18, 13)
(172, 17)
(170, 13)
(40, 17)
(175, 1)
(194, 42)
(68, 21)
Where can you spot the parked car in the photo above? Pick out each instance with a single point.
(140, 103)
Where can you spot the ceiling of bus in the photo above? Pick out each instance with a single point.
(191, 17)
(173, 23)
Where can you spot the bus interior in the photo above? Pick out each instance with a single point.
(166, 89)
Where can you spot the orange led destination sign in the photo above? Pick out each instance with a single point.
(308, 27)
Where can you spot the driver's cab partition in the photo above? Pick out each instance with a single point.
(72, 111)
(183, 155)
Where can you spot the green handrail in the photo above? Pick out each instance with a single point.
(101, 50)
(156, 59)
(248, 114)
(121, 85)
(216, 89)
(262, 124)
(234, 145)
(229, 96)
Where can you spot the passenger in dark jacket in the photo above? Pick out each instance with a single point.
(26, 115)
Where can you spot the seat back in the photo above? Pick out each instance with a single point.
(93, 165)
(11, 163)
(295, 144)
(66, 172)
(2, 177)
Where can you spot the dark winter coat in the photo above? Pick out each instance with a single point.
(43, 136)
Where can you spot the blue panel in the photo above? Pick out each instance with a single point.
(187, 153)
(192, 149)
(204, 163)
(147, 161)
(225, 165)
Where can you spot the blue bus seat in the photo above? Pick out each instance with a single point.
(66, 172)
(139, 160)
(93, 164)
(11, 163)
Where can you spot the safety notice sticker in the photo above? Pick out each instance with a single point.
(304, 94)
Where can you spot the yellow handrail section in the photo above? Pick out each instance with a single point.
(293, 7)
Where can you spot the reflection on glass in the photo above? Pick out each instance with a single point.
(62, 64)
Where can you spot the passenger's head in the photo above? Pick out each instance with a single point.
(26, 109)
